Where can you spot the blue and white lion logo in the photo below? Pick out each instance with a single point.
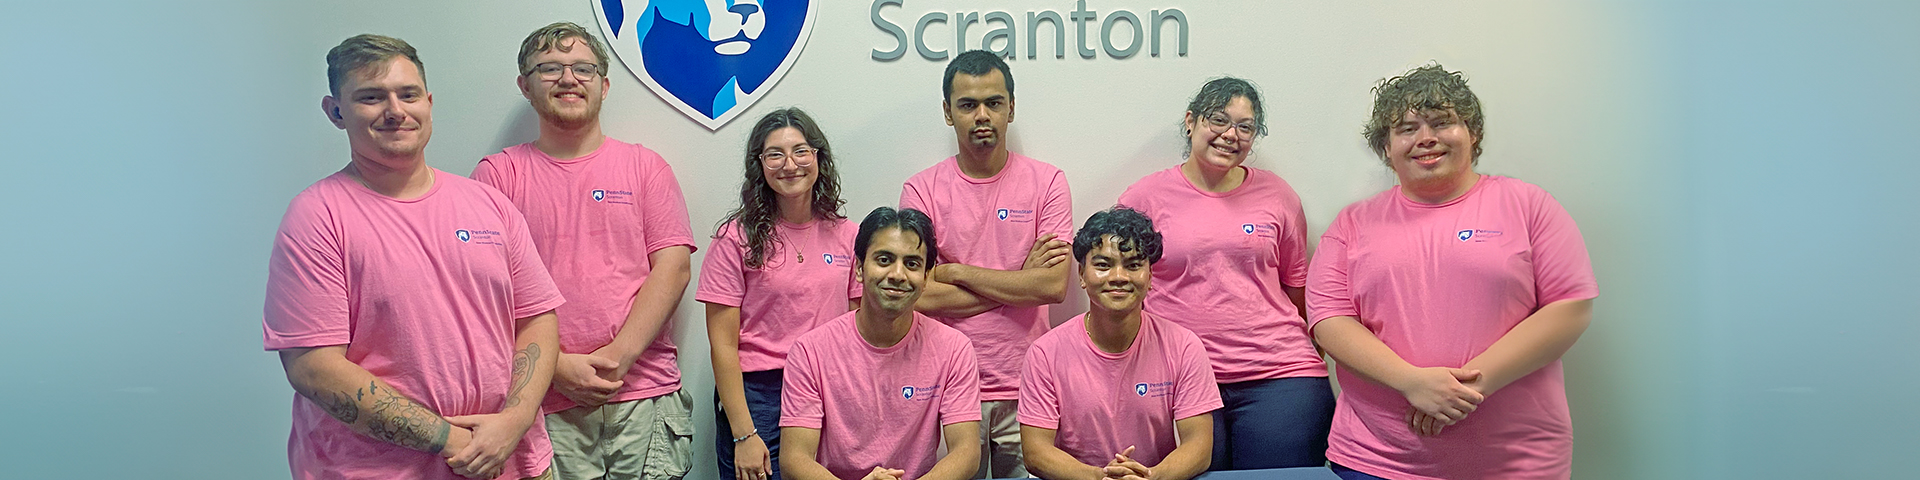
(1140, 389)
(1465, 234)
(599, 195)
(709, 58)
(463, 235)
(906, 392)
(1247, 227)
(828, 257)
(1002, 213)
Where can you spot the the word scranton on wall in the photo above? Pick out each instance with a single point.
(1146, 31)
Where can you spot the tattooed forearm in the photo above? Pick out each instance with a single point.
(523, 361)
(338, 404)
(400, 421)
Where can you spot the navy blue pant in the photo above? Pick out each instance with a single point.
(1274, 423)
(763, 404)
(1351, 474)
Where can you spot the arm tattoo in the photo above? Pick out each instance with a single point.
(401, 421)
(523, 361)
(338, 404)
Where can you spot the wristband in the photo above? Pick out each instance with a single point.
(749, 434)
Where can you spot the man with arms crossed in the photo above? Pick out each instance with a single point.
(609, 220)
(1116, 393)
(1005, 220)
(870, 395)
(411, 313)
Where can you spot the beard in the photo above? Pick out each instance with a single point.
(568, 118)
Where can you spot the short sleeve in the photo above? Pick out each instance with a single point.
(486, 172)
(1039, 395)
(1328, 295)
(800, 402)
(1199, 393)
(534, 292)
(1293, 242)
(1056, 216)
(306, 282)
(1561, 268)
(666, 215)
(912, 197)
(723, 278)
(961, 403)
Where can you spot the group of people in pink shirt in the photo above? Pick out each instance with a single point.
(513, 325)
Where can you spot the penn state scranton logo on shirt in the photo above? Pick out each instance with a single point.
(1153, 390)
(620, 197)
(828, 257)
(710, 59)
(1476, 235)
(919, 394)
(478, 237)
(1259, 229)
(1014, 215)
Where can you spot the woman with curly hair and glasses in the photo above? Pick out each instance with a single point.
(779, 265)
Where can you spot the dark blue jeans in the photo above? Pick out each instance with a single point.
(1351, 474)
(763, 404)
(1274, 423)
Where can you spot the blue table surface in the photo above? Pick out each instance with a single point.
(1303, 473)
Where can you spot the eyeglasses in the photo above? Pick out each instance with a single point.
(802, 157)
(1218, 123)
(551, 70)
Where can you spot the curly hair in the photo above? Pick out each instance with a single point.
(1131, 231)
(1427, 88)
(758, 206)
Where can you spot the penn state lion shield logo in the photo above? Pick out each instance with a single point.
(1140, 389)
(710, 59)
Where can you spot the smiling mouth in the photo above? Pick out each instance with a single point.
(1428, 159)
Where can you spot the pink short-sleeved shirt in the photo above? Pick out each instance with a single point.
(424, 293)
(595, 220)
(879, 407)
(1438, 284)
(992, 223)
(1100, 403)
(807, 280)
(1228, 255)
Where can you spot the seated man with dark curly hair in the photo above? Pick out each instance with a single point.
(1105, 393)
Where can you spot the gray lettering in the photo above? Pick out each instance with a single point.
(1106, 34)
(1059, 33)
(920, 36)
(1006, 32)
(960, 23)
(900, 36)
(1080, 18)
(1179, 18)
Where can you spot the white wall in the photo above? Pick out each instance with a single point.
(1739, 173)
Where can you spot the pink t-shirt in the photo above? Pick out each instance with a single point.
(1227, 257)
(807, 281)
(879, 407)
(1100, 403)
(424, 293)
(595, 220)
(992, 223)
(1438, 284)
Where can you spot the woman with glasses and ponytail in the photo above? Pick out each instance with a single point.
(1233, 271)
(779, 265)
